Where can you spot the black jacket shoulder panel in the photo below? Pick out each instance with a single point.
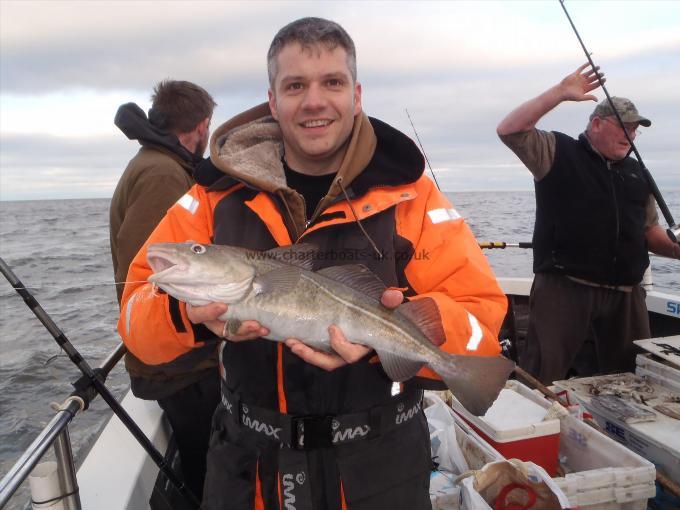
(395, 162)
(208, 175)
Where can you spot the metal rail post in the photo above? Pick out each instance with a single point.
(67, 471)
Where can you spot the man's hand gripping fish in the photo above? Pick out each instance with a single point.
(278, 289)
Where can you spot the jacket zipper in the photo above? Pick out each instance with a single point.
(616, 211)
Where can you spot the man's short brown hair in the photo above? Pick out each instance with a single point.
(308, 32)
(179, 106)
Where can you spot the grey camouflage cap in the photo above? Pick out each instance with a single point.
(626, 110)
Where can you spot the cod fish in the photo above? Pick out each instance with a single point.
(278, 289)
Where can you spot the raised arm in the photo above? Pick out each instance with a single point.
(574, 87)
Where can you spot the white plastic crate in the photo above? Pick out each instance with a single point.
(605, 475)
(658, 373)
(658, 441)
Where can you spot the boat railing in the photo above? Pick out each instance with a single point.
(55, 434)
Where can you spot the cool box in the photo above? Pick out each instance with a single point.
(514, 427)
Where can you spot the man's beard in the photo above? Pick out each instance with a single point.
(200, 149)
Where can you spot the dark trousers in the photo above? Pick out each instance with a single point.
(564, 315)
(190, 412)
(388, 472)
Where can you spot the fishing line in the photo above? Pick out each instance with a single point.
(64, 287)
(674, 230)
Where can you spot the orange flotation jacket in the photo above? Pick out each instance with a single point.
(425, 247)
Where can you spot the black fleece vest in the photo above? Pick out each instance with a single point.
(590, 216)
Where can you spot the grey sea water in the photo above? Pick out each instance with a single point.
(60, 250)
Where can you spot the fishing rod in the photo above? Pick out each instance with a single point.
(94, 379)
(674, 230)
(486, 245)
(491, 245)
(422, 149)
(502, 245)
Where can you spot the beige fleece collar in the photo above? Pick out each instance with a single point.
(249, 149)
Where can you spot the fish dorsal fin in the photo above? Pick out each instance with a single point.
(397, 368)
(299, 255)
(425, 314)
(358, 277)
(282, 279)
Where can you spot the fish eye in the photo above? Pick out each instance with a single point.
(198, 248)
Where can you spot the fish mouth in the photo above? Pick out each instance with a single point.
(161, 263)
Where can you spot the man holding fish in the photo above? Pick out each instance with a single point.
(327, 221)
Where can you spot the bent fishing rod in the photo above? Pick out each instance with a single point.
(94, 379)
(674, 230)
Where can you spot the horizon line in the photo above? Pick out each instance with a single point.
(494, 190)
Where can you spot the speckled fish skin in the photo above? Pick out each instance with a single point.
(302, 304)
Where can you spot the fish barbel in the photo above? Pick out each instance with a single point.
(278, 289)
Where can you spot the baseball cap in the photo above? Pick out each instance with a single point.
(626, 110)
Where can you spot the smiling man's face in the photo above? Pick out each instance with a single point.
(315, 99)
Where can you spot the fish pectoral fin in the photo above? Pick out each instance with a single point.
(398, 368)
(299, 255)
(358, 277)
(282, 279)
(424, 313)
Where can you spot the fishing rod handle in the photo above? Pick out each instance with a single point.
(660, 202)
(502, 245)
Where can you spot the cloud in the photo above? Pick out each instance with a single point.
(458, 67)
(37, 167)
(112, 45)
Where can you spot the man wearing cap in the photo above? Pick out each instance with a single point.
(595, 221)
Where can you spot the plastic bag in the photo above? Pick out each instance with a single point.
(512, 485)
(445, 450)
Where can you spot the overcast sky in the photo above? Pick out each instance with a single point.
(458, 67)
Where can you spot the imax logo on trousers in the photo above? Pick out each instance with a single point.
(406, 416)
(350, 433)
(226, 404)
(288, 482)
(258, 426)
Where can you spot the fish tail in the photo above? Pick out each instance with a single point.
(475, 381)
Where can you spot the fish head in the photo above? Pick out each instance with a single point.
(201, 273)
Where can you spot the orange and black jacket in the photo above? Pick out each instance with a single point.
(425, 247)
